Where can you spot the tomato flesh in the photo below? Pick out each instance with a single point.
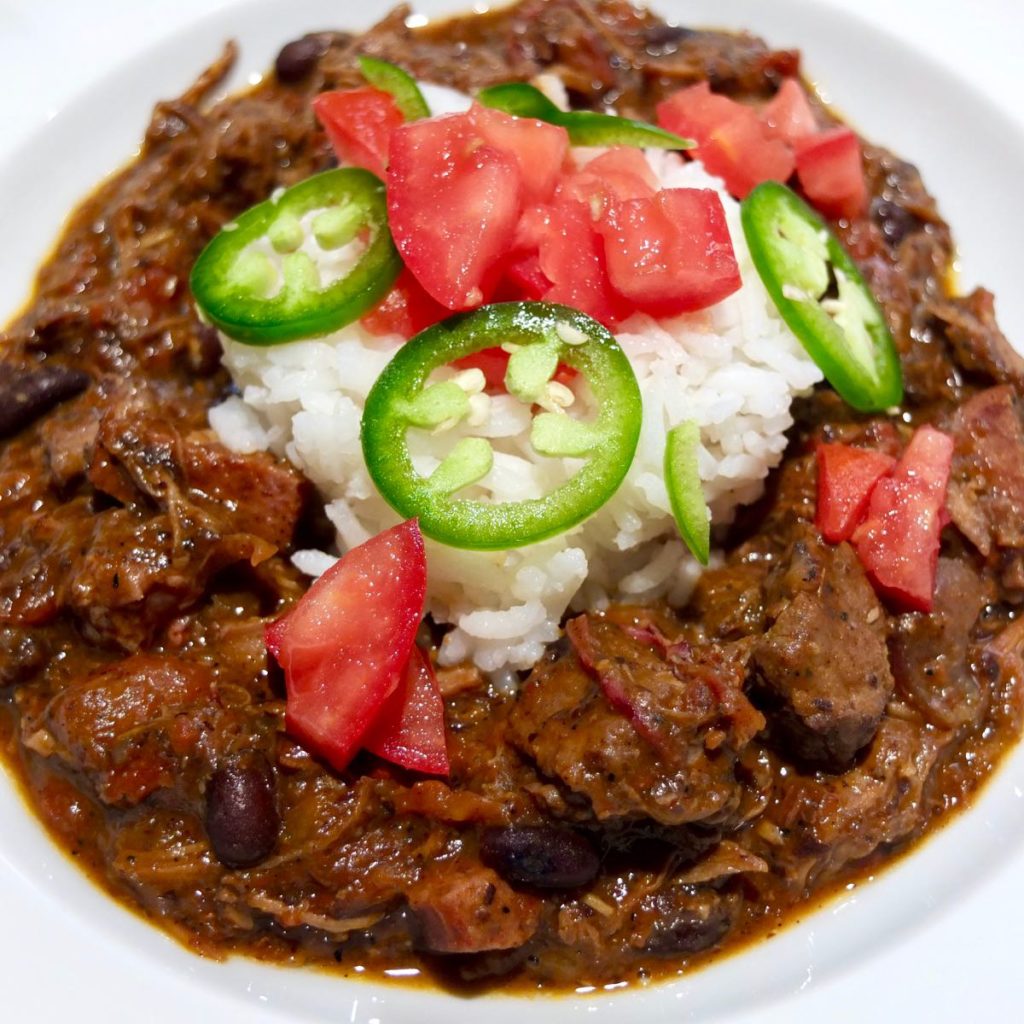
(620, 173)
(453, 204)
(343, 646)
(732, 142)
(846, 477)
(573, 258)
(788, 115)
(898, 542)
(831, 173)
(671, 254)
(539, 148)
(456, 189)
(406, 310)
(409, 729)
(359, 123)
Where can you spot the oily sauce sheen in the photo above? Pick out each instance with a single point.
(140, 561)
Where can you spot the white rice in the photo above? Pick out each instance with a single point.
(734, 369)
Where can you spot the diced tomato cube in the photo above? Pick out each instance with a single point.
(453, 204)
(539, 148)
(359, 123)
(492, 363)
(572, 257)
(523, 279)
(846, 477)
(732, 142)
(409, 729)
(831, 173)
(406, 310)
(345, 643)
(788, 114)
(671, 254)
(618, 174)
(898, 542)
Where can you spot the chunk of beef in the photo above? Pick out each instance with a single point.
(822, 669)
(636, 733)
(931, 653)
(830, 821)
(464, 907)
(986, 486)
(977, 343)
(644, 913)
(116, 721)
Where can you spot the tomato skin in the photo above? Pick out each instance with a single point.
(831, 173)
(344, 644)
(732, 142)
(453, 205)
(406, 310)
(846, 478)
(898, 542)
(539, 148)
(788, 115)
(359, 123)
(409, 729)
(671, 254)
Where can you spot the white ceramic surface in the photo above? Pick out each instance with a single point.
(935, 938)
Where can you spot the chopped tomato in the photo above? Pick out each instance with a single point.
(788, 114)
(846, 477)
(492, 363)
(344, 645)
(538, 147)
(406, 310)
(359, 123)
(453, 204)
(831, 173)
(620, 173)
(672, 253)
(732, 142)
(409, 729)
(572, 257)
(898, 542)
(523, 279)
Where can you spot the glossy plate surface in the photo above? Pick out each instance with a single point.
(936, 938)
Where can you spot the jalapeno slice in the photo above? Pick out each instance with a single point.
(541, 336)
(685, 494)
(390, 78)
(585, 127)
(821, 295)
(302, 263)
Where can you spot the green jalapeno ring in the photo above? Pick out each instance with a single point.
(390, 78)
(794, 251)
(465, 523)
(585, 127)
(228, 288)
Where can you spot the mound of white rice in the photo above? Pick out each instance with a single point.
(734, 369)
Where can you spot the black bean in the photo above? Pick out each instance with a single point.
(26, 394)
(663, 40)
(686, 931)
(298, 58)
(895, 221)
(242, 820)
(205, 351)
(547, 857)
